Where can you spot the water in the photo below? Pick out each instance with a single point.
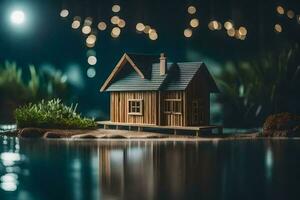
(65, 169)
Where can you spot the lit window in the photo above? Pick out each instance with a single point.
(173, 106)
(135, 107)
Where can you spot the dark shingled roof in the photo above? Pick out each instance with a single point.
(178, 76)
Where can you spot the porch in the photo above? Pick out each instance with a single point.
(198, 130)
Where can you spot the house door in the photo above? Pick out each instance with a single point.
(198, 113)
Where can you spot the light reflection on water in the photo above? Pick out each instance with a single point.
(56, 169)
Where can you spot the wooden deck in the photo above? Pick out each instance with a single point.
(197, 129)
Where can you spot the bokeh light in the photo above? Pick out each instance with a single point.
(278, 28)
(88, 21)
(91, 72)
(121, 23)
(92, 60)
(76, 22)
(153, 34)
(242, 31)
(214, 25)
(140, 27)
(91, 39)
(228, 25)
(102, 26)
(115, 32)
(86, 29)
(231, 32)
(115, 20)
(280, 10)
(116, 8)
(147, 29)
(91, 52)
(192, 10)
(194, 23)
(188, 33)
(290, 14)
(64, 13)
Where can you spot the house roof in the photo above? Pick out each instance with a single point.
(136, 72)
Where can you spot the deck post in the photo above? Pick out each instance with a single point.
(197, 133)
(129, 128)
(117, 127)
(105, 126)
(140, 129)
(175, 132)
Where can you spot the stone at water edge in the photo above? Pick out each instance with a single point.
(282, 124)
(32, 133)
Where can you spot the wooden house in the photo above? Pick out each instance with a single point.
(146, 89)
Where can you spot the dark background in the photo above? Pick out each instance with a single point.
(47, 40)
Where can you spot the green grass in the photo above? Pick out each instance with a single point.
(52, 114)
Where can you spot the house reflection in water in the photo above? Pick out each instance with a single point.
(146, 170)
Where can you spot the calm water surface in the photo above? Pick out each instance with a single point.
(57, 170)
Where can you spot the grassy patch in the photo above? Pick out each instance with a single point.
(52, 114)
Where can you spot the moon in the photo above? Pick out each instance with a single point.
(17, 17)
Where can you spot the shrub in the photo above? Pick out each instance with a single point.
(52, 114)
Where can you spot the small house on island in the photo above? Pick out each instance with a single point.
(146, 89)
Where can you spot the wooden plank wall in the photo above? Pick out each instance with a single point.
(119, 107)
(197, 89)
(170, 119)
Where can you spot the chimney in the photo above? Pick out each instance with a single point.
(163, 64)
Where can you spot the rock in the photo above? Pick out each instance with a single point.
(53, 135)
(31, 133)
(282, 125)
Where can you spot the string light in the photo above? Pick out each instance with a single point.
(102, 26)
(64, 13)
(194, 23)
(278, 28)
(298, 19)
(280, 10)
(188, 33)
(116, 8)
(192, 10)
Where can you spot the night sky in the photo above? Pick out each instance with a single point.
(46, 39)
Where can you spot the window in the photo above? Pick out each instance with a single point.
(173, 106)
(135, 107)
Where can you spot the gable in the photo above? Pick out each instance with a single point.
(123, 61)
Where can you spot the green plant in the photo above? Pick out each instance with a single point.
(51, 114)
(14, 91)
(256, 88)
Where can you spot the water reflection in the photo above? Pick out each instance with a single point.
(10, 160)
(55, 169)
